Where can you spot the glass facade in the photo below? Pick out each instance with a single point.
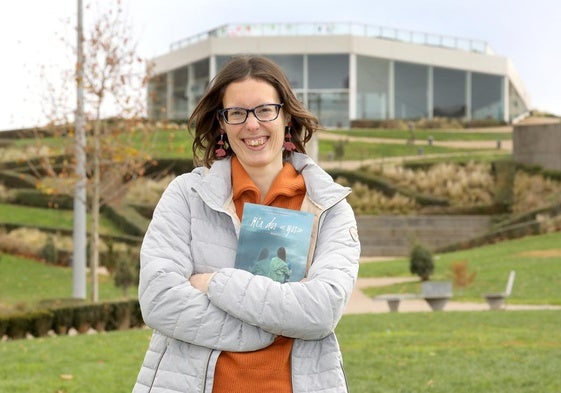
(328, 72)
(449, 93)
(331, 108)
(486, 96)
(180, 78)
(293, 67)
(200, 75)
(372, 95)
(384, 89)
(411, 90)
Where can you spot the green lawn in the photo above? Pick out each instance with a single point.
(159, 144)
(492, 352)
(361, 151)
(536, 260)
(27, 282)
(460, 352)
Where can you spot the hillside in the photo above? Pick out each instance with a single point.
(439, 172)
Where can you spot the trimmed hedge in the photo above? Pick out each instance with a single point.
(64, 314)
(169, 165)
(35, 198)
(14, 179)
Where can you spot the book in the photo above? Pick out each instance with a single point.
(274, 242)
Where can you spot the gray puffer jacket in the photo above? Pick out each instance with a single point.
(195, 230)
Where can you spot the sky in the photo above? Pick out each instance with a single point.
(526, 32)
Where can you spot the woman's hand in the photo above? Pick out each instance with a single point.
(201, 281)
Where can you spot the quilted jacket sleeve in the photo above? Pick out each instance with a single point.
(306, 310)
(168, 302)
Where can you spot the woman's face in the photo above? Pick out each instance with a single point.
(257, 144)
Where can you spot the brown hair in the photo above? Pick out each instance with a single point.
(204, 119)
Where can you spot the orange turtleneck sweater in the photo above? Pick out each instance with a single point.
(266, 370)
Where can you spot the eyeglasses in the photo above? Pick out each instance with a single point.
(236, 115)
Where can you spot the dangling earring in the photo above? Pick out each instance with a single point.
(288, 144)
(220, 152)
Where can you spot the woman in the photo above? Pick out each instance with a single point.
(219, 329)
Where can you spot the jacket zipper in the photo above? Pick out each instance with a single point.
(158, 366)
(344, 376)
(206, 370)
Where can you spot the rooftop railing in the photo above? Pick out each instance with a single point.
(330, 29)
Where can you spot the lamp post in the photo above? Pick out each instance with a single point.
(79, 229)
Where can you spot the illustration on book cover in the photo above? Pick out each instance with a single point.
(274, 242)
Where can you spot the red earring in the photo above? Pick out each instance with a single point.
(220, 152)
(288, 144)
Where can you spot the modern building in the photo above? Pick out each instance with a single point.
(347, 71)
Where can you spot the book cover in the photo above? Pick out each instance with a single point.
(274, 242)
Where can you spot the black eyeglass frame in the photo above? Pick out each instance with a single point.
(222, 113)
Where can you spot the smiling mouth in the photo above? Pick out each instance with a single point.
(255, 142)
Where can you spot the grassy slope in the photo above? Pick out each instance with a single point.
(421, 134)
(538, 271)
(26, 282)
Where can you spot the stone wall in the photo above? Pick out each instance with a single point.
(393, 235)
(538, 144)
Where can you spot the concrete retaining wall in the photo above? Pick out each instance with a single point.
(393, 235)
(538, 144)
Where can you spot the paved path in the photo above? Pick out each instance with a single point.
(362, 304)
(506, 147)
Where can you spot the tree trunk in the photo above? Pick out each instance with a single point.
(94, 260)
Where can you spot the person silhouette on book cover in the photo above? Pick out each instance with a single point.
(262, 266)
(279, 270)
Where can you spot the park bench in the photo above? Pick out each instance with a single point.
(394, 299)
(496, 300)
(435, 293)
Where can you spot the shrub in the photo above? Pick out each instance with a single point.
(504, 172)
(49, 251)
(84, 317)
(102, 315)
(460, 275)
(136, 314)
(4, 320)
(63, 319)
(120, 318)
(421, 261)
(126, 273)
(339, 148)
(18, 326)
(40, 322)
(35, 198)
(14, 245)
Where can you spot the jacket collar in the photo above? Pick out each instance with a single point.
(216, 185)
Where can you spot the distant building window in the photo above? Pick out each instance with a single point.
(411, 87)
(328, 71)
(486, 96)
(449, 92)
(372, 88)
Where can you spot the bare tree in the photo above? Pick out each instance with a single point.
(114, 81)
(114, 75)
